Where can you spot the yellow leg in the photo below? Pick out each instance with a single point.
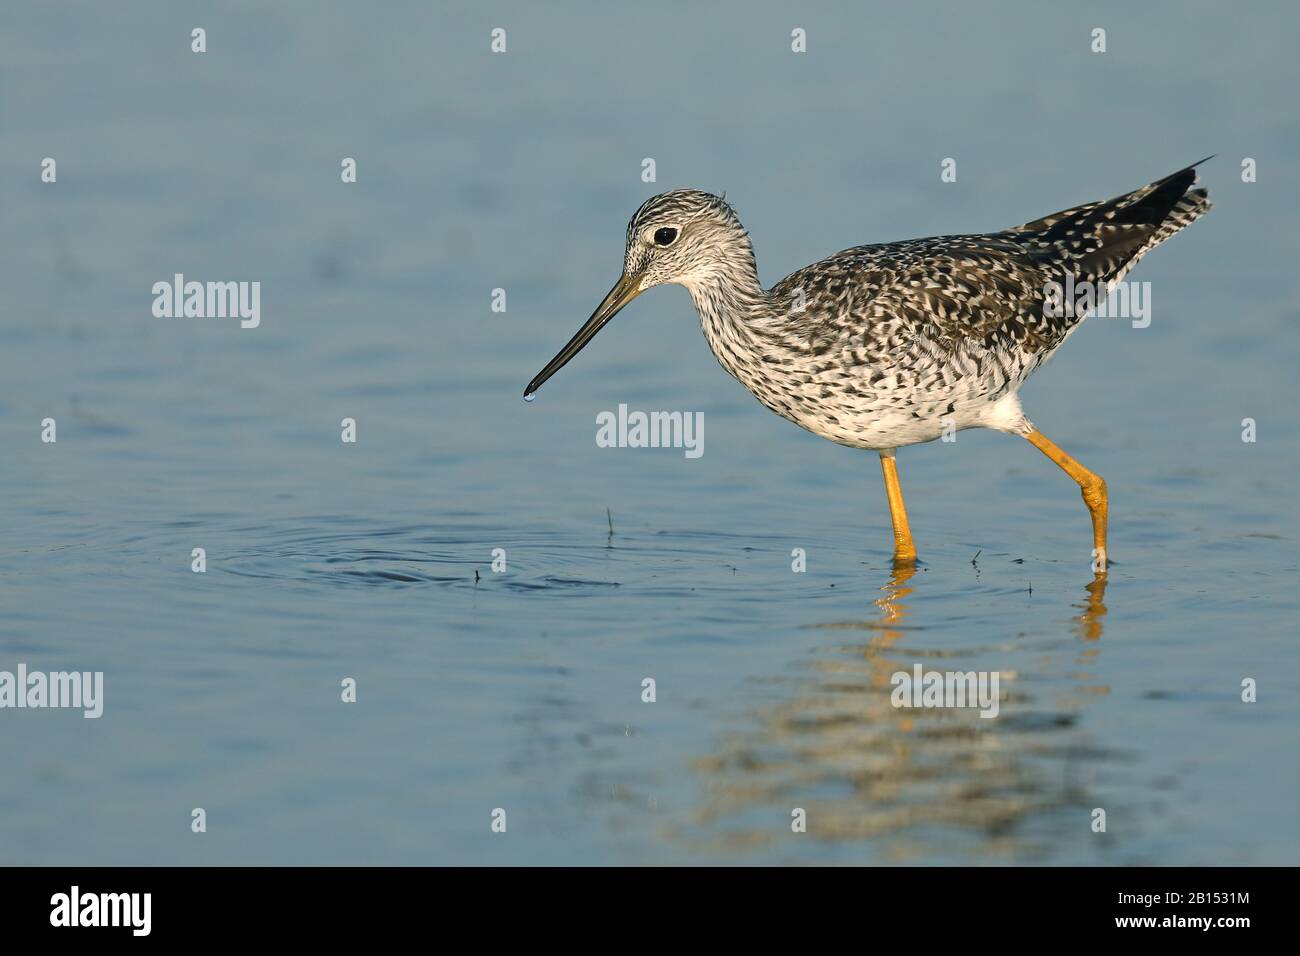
(904, 549)
(1094, 493)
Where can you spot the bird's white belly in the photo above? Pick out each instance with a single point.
(891, 419)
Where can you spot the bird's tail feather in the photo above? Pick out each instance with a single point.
(1101, 241)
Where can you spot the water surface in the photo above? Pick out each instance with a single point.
(522, 689)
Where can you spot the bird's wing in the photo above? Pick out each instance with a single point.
(947, 294)
(940, 295)
(950, 295)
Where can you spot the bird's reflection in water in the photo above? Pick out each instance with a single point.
(920, 784)
(1090, 620)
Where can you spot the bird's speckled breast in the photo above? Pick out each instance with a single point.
(885, 389)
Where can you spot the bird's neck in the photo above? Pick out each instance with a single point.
(736, 316)
(734, 309)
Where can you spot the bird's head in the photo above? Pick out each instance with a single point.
(684, 236)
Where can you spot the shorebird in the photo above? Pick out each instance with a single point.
(881, 346)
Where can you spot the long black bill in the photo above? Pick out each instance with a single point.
(624, 291)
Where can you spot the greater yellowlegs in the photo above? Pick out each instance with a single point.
(882, 346)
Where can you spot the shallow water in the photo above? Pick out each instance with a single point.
(522, 689)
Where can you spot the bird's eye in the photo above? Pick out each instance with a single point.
(665, 236)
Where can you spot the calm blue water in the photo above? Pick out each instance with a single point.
(522, 690)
